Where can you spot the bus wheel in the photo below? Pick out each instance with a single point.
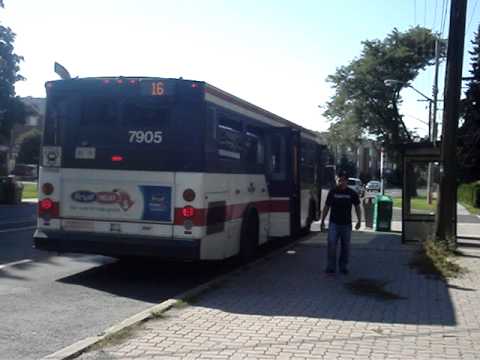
(249, 236)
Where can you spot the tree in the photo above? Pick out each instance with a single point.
(347, 166)
(12, 110)
(469, 131)
(344, 134)
(29, 152)
(361, 97)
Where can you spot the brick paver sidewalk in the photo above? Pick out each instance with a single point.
(287, 309)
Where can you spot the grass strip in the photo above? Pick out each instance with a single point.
(436, 259)
(29, 191)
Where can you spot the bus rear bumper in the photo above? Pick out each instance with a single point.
(116, 245)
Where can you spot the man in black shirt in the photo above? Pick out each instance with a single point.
(340, 199)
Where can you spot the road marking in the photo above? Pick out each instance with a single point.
(18, 229)
(15, 263)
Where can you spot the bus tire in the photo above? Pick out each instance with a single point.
(249, 235)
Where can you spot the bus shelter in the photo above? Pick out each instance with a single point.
(421, 172)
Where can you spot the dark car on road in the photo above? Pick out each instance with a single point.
(25, 172)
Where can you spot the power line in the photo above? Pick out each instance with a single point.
(414, 12)
(435, 15)
(416, 118)
(471, 15)
(441, 16)
(444, 18)
(425, 14)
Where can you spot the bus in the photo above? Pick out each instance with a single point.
(171, 168)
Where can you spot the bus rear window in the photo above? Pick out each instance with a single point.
(112, 121)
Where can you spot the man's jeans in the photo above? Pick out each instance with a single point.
(344, 233)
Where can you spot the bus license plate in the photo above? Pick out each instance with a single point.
(85, 153)
(75, 225)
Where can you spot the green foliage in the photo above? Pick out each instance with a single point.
(344, 133)
(12, 110)
(437, 259)
(469, 131)
(467, 193)
(347, 166)
(363, 101)
(30, 147)
(30, 191)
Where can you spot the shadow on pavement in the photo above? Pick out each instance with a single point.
(153, 280)
(147, 280)
(293, 284)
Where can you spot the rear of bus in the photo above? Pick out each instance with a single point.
(113, 152)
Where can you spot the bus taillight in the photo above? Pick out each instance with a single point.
(117, 158)
(47, 208)
(189, 195)
(188, 212)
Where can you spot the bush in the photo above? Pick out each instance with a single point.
(29, 152)
(469, 193)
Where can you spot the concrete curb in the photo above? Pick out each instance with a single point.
(82, 346)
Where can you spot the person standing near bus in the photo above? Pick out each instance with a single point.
(340, 200)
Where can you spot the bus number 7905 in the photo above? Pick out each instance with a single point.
(145, 137)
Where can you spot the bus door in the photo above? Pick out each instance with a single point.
(282, 160)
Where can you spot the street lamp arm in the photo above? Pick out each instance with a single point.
(420, 93)
(391, 83)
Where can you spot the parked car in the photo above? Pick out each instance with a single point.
(356, 185)
(25, 172)
(373, 186)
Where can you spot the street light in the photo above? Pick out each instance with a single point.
(432, 125)
(431, 119)
(391, 83)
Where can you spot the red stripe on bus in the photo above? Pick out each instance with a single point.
(234, 211)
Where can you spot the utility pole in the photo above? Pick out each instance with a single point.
(435, 91)
(445, 221)
(433, 119)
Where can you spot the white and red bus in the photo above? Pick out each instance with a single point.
(170, 168)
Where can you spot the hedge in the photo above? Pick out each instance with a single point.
(467, 192)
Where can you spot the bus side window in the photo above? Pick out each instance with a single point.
(229, 138)
(254, 147)
(307, 162)
(277, 158)
(211, 130)
(212, 122)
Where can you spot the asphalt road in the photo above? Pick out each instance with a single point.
(48, 302)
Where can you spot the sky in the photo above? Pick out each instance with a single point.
(275, 54)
